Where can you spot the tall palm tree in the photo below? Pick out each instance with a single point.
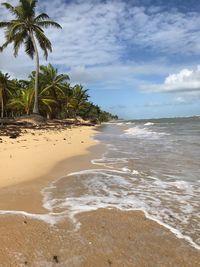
(26, 28)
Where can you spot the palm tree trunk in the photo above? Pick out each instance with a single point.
(2, 107)
(36, 106)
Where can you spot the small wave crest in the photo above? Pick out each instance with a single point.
(143, 133)
(149, 124)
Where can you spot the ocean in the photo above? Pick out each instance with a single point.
(148, 165)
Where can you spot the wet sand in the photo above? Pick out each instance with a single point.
(105, 237)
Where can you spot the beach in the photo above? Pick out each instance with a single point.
(35, 231)
(35, 152)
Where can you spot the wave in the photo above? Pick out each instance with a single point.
(119, 123)
(129, 123)
(116, 183)
(122, 189)
(125, 190)
(143, 133)
(149, 124)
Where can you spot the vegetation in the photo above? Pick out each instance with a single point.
(25, 29)
(56, 96)
(45, 92)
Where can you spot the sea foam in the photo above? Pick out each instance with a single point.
(139, 132)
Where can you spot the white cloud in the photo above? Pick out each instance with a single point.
(100, 34)
(117, 76)
(187, 80)
(167, 32)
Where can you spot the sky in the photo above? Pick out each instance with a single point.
(138, 58)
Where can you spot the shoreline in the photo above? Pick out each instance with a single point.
(132, 231)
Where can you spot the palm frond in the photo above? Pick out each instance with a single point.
(46, 89)
(48, 102)
(15, 103)
(44, 42)
(33, 4)
(18, 41)
(41, 17)
(16, 11)
(29, 48)
(59, 89)
(49, 23)
(62, 78)
(4, 24)
(4, 45)
(28, 7)
(13, 29)
(9, 7)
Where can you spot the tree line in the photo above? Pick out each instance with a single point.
(46, 92)
(57, 98)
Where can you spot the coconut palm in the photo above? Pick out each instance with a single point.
(52, 82)
(23, 102)
(27, 28)
(52, 85)
(78, 99)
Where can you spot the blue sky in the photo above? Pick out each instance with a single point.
(139, 58)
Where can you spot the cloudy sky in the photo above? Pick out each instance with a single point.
(138, 58)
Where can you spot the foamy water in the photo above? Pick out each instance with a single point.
(148, 166)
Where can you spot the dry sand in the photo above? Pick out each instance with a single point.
(105, 238)
(36, 152)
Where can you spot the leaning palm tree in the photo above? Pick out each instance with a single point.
(25, 29)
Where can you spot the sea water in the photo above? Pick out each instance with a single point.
(153, 166)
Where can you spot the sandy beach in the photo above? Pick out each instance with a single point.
(99, 133)
(106, 237)
(35, 153)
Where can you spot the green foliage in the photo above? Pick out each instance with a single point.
(25, 29)
(57, 98)
(24, 26)
(23, 101)
(5, 91)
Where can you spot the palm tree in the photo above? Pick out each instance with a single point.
(25, 29)
(23, 101)
(52, 85)
(52, 82)
(78, 99)
(4, 91)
